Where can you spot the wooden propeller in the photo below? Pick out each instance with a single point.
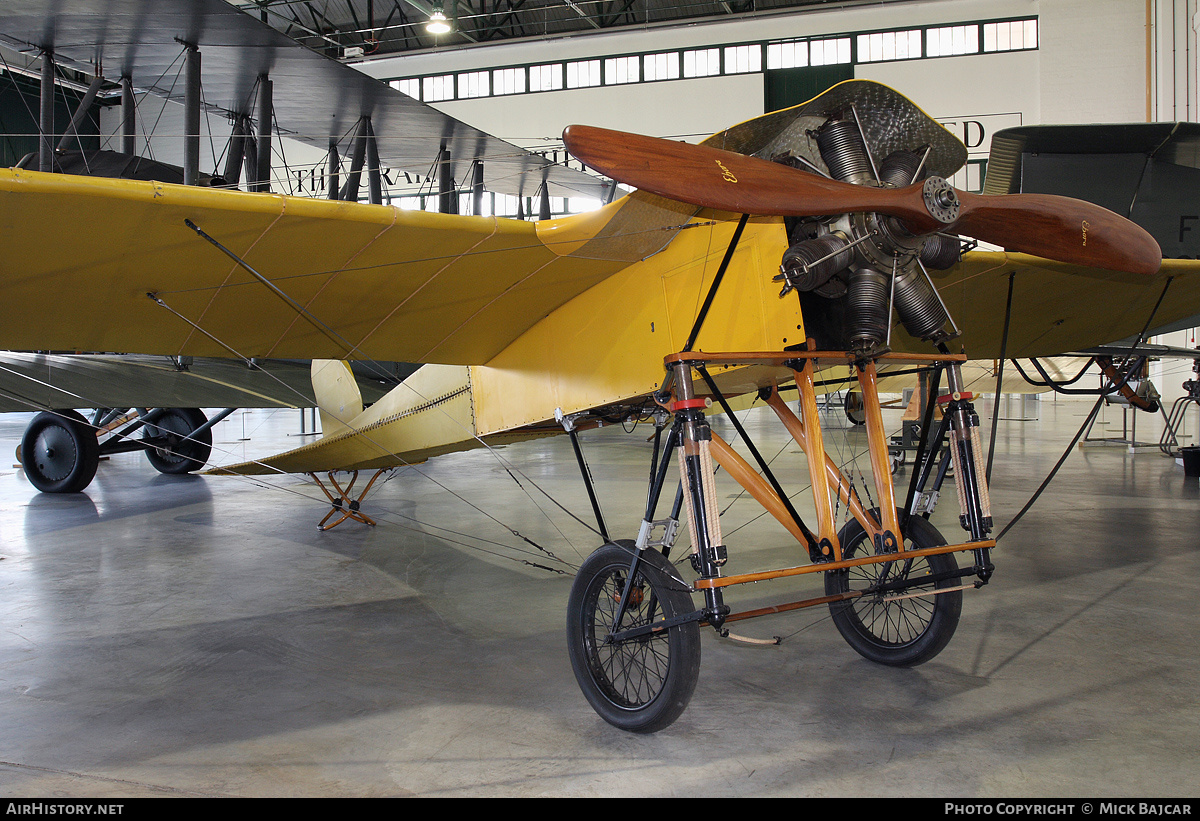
(1045, 225)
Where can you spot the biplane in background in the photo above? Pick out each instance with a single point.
(152, 404)
(522, 327)
(220, 62)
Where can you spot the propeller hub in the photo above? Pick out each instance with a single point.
(940, 200)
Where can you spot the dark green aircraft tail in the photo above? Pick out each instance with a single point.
(1148, 172)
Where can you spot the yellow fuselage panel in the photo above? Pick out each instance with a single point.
(607, 345)
(429, 414)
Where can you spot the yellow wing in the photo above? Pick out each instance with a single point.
(1057, 308)
(110, 265)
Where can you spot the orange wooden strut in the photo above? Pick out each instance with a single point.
(834, 476)
(881, 468)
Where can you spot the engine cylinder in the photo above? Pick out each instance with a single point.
(900, 168)
(940, 252)
(867, 311)
(808, 264)
(844, 152)
(918, 306)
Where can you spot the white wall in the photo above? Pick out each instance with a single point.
(1172, 58)
(1093, 61)
(699, 107)
(690, 109)
(1091, 67)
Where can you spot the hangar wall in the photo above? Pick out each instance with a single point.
(1090, 67)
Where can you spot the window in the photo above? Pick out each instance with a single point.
(889, 45)
(438, 88)
(545, 78)
(577, 205)
(506, 205)
(790, 54)
(619, 70)
(950, 40)
(702, 62)
(865, 47)
(661, 66)
(411, 87)
(743, 59)
(829, 52)
(583, 73)
(1011, 35)
(508, 81)
(473, 84)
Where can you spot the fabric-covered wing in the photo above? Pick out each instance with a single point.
(30, 381)
(110, 265)
(1056, 308)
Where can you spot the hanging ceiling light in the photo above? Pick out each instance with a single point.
(438, 24)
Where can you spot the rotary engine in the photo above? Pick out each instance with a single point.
(871, 260)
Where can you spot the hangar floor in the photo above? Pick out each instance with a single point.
(198, 636)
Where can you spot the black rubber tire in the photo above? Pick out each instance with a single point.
(177, 453)
(903, 632)
(853, 407)
(59, 452)
(644, 684)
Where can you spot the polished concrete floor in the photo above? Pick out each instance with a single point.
(197, 636)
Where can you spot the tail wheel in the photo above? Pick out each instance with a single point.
(173, 448)
(640, 684)
(59, 452)
(896, 628)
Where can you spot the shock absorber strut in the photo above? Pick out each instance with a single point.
(700, 492)
(966, 455)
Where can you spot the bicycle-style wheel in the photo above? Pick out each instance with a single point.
(640, 684)
(896, 628)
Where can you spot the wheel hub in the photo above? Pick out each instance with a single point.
(55, 453)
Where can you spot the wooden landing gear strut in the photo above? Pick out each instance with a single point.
(341, 507)
(892, 584)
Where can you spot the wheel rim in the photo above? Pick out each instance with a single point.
(890, 621)
(631, 674)
(174, 429)
(54, 453)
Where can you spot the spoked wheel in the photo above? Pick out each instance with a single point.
(172, 450)
(896, 627)
(641, 684)
(59, 452)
